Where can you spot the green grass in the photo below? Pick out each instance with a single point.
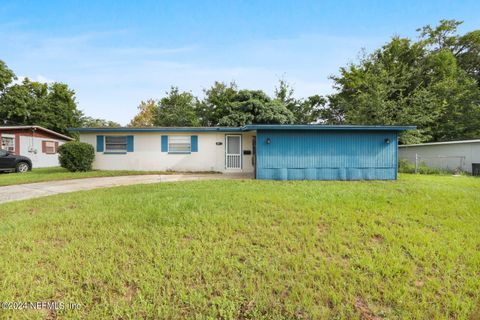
(58, 173)
(407, 249)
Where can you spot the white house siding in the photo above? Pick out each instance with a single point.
(32, 147)
(147, 154)
(444, 155)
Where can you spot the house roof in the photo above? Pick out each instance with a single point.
(439, 143)
(249, 127)
(14, 128)
(324, 127)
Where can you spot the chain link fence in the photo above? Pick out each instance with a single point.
(454, 164)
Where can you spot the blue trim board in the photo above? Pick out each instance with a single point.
(250, 127)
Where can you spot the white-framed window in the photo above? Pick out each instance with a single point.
(179, 144)
(8, 143)
(116, 143)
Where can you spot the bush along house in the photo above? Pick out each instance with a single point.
(37, 143)
(278, 152)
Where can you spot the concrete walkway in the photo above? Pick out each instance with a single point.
(42, 189)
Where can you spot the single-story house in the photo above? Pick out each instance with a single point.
(462, 155)
(279, 152)
(37, 143)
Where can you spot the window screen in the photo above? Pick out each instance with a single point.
(180, 144)
(8, 144)
(116, 143)
(233, 145)
(50, 147)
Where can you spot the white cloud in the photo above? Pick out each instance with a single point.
(37, 78)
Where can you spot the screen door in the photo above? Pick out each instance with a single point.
(233, 152)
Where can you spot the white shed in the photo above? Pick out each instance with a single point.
(461, 155)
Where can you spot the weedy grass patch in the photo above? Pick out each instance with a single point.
(246, 249)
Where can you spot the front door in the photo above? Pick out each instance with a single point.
(233, 152)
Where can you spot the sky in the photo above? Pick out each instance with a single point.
(116, 53)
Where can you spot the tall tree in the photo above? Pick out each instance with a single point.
(225, 105)
(6, 76)
(408, 82)
(465, 48)
(177, 109)
(305, 111)
(212, 107)
(52, 106)
(147, 112)
(254, 106)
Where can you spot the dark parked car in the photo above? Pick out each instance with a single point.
(13, 163)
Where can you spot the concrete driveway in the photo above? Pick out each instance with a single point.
(42, 189)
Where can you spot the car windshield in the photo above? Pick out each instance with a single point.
(3, 152)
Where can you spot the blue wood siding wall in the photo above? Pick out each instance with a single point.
(326, 155)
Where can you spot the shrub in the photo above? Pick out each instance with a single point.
(76, 156)
(405, 166)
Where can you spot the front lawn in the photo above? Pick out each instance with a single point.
(58, 173)
(246, 249)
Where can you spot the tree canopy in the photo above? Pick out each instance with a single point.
(52, 106)
(176, 109)
(431, 83)
(90, 122)
(225, 105)
(6, 76)
(147, 113)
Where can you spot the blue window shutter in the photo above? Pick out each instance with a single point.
(129, 143)
(194, 141)
(100, 143)
(164, 143)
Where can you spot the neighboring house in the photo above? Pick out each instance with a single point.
(461, 155)
(279, 152)
(37, 143)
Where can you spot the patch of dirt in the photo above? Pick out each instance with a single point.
(378, 238)
(475, 315)
(330, 303)
(365, 312)
(419, 283)
(246, 310)
(321, 228)
(131, 292)
(51, 314)
(32, 211)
